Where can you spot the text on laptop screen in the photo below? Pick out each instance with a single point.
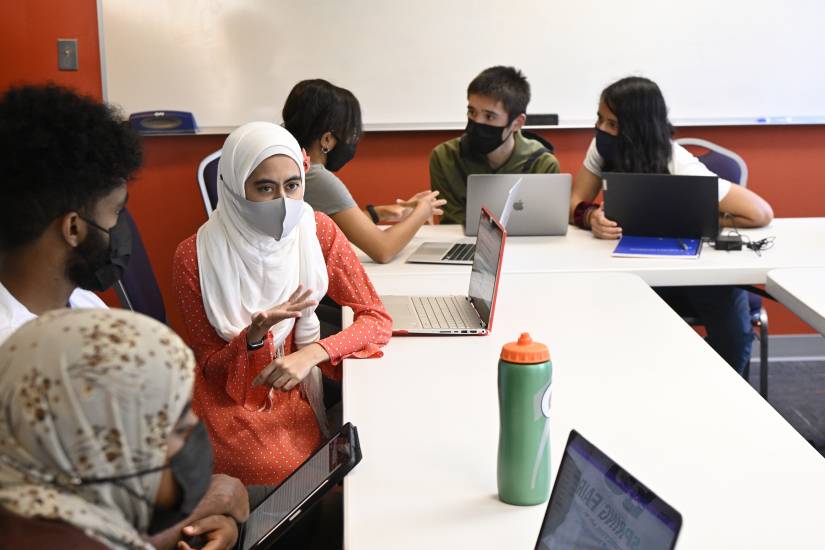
(485, 267)
(283, 500)
(597, 505)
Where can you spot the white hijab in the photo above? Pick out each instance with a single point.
(243, 271)
(89, 394)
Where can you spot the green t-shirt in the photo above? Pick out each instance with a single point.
(449, 168)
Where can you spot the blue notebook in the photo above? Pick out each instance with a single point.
(657, 247)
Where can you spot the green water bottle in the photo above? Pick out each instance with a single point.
(525, 374)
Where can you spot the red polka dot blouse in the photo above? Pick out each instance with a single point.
(260, 436)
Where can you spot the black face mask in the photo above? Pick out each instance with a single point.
(96, 265)
(192, 470)
(483, 139)
(607, 146)
(340, 155)
(192, 467)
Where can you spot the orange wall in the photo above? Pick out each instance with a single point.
(29, 30)
(784, 161)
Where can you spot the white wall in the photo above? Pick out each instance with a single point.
(409, 62)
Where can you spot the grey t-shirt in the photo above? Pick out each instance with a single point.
(325, 192)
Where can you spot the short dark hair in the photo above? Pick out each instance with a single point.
(645, 132)
(60, 152)
(505, 84)
(315, 107)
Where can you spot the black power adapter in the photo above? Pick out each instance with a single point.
(728, 242)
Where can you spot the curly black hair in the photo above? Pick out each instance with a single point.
(60, 152)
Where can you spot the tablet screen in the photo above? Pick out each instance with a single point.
(311, 476)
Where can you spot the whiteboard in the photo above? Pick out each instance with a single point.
(409, 62)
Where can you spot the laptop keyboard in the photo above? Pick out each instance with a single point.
(442, 312)
(460, 252)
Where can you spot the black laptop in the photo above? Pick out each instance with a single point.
(663, 205)
(287, 503)
(596, 503)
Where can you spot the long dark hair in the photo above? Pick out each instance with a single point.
(315, 107)
(644, 130)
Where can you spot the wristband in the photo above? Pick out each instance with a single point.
(373, 213)
(580, 213)
(255, 345)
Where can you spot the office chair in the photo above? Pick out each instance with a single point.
(535, 136)
(728, 165)
(208, 181)
(138, 288)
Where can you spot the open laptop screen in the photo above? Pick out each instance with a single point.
(663, 205)
(596, 504)
(486, 266)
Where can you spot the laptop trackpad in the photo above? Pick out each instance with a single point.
(429, 253)
(402, 312)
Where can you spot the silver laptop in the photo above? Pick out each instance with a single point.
(541, 207)
(461, 252)
(455, 253)
(472, 314)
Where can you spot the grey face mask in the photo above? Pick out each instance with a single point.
(276, 218)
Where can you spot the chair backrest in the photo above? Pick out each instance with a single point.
(727, 165)
(723, 162)
(138, 288)
(533, 135)
(208, 181)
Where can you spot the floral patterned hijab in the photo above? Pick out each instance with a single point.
(87, 394)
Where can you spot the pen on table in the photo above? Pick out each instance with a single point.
(682, 244)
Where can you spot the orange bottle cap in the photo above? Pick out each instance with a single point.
(525, 351)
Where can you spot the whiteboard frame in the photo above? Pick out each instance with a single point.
(102, 48)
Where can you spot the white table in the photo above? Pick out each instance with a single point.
(800, 242)
(629, 374)
(802, 291)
